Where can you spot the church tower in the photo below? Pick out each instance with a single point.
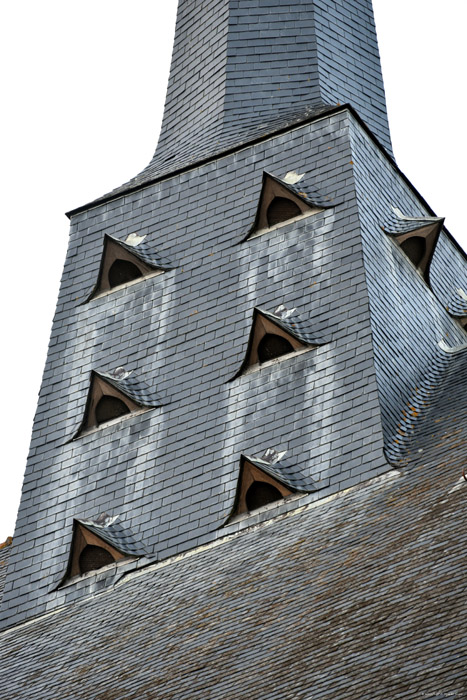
(253, 324)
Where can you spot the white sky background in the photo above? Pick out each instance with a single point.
(83, 89)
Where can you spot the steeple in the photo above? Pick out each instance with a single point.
(244, 68)
(270, 285)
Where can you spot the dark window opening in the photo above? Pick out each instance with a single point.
(282, 209)
(272, 346)
(414, 248)
(108, 408)
(123, 271)
(92, 558)
(260, 494)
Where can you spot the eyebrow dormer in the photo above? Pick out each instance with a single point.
(99, 542)
(266, 479)
(276, 335)
(417, 237)
(284, 201)
(115, 395)
(127, 261)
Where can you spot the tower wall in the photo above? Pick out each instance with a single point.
(171, 473)
(409, 318)
(245, 68)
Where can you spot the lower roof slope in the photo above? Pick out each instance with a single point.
(359, 596)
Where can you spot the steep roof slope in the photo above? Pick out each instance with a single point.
(242, 69)
(5, 551)
(358, 596)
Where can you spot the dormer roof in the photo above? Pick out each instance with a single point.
(283, 469)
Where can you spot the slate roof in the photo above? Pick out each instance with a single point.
(357, 596)
(457, 305)
(306, 190)
(448, 363)
(5, 552)
(398, 223)
(171, 474)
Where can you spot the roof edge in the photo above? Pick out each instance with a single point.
(219, 154)
(347, 107)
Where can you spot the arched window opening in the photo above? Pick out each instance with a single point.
(272, 346)
(108, 408)
(282, 209)
(415, 249)
(93, 557)
(260, 494)
(123, 271)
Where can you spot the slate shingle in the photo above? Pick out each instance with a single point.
(357, 596)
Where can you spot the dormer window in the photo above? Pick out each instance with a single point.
(105, 403)
(124, 262)
(282, 202)
(93, 557)
(260, 494)
(415, 249)
(89, 552)
(417, 237)
(257, 487)
(99, 543)
(274, 336)
(112, 396)
(268, 479)
(110, 407)
(122, 272)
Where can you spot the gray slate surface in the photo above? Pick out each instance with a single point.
(171, 473)
(361, 596)
(4, 557)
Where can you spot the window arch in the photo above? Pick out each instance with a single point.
(110, 407)
(272, 346)
(260, 494)
(123, 271)
(282, 209)
(93, 557)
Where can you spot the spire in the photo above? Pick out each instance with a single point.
(244, 68)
